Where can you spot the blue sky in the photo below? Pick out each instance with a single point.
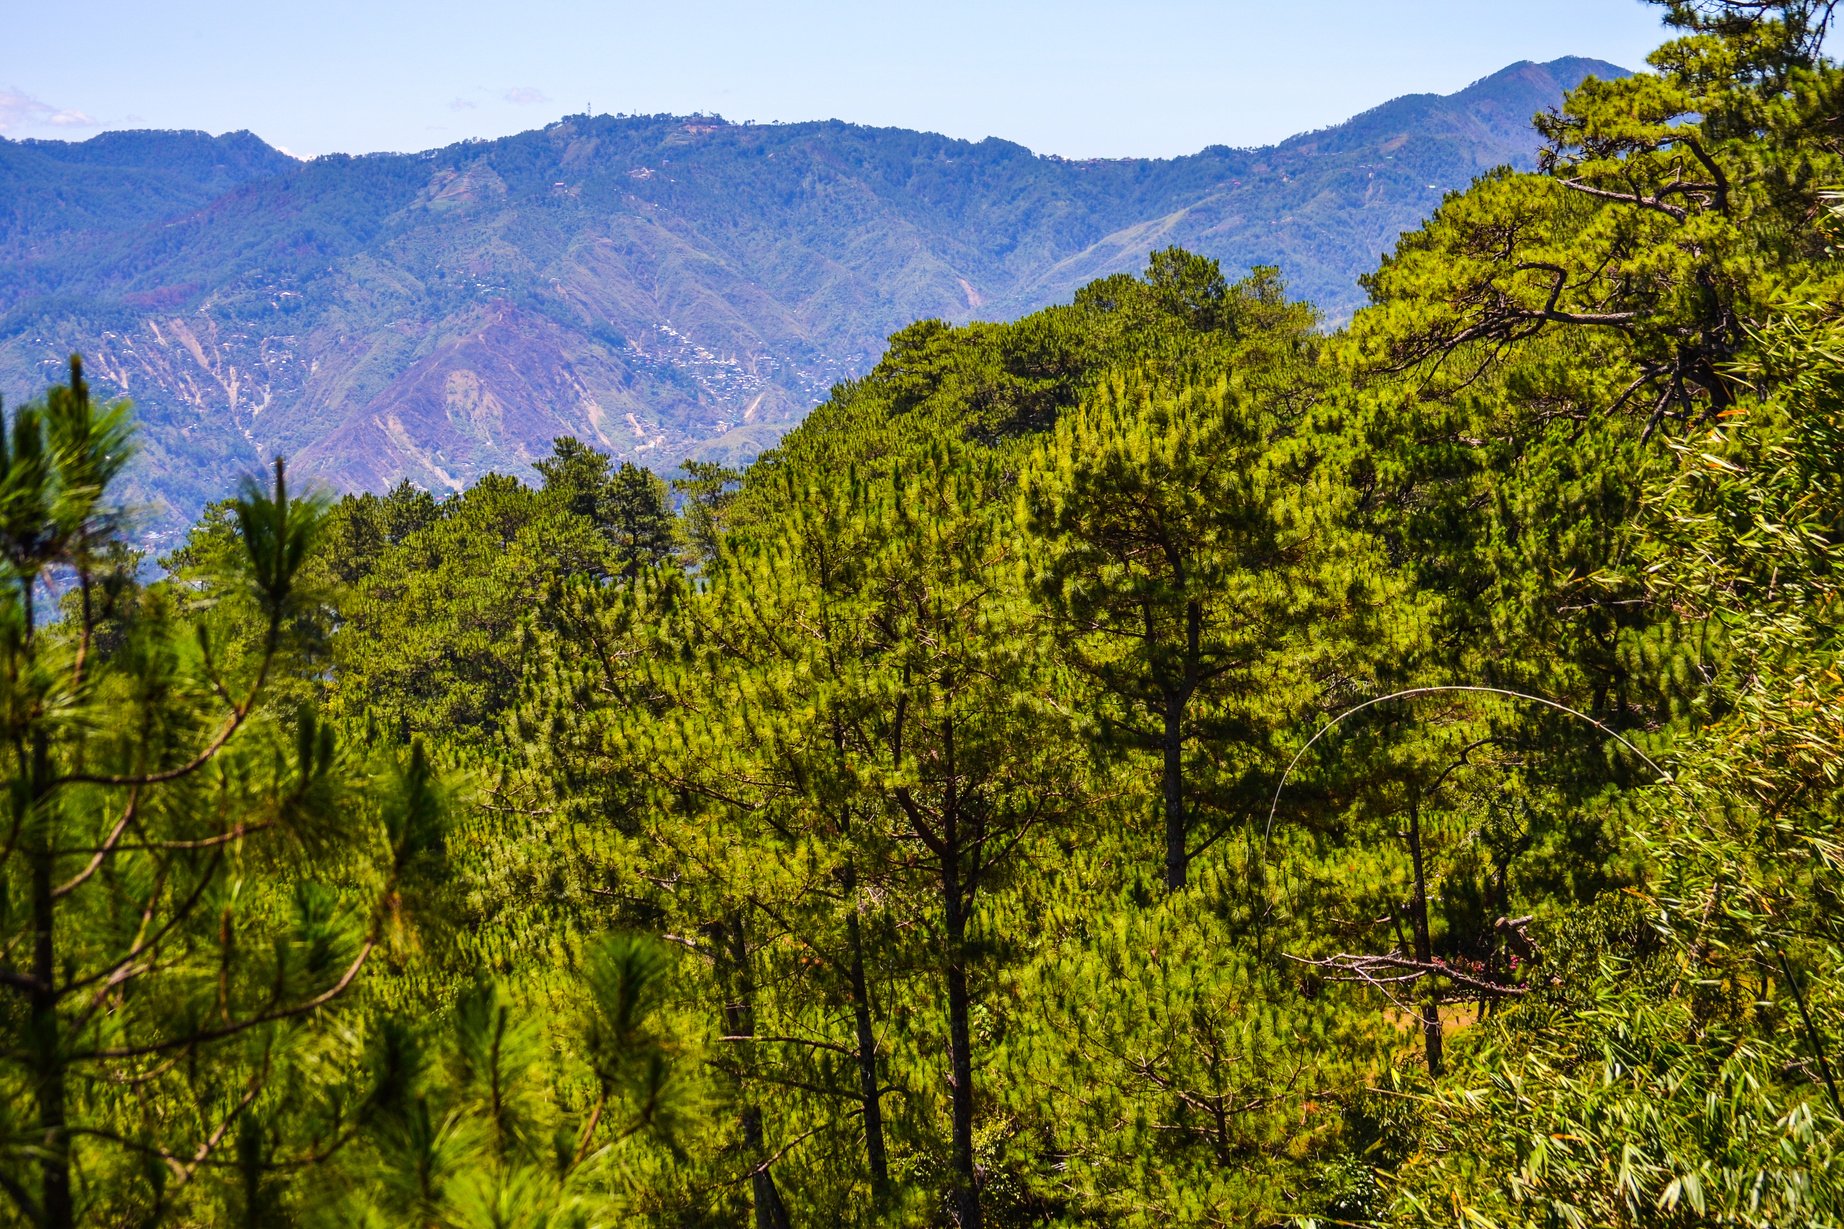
(1074, 77)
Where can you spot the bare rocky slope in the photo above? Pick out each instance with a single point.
(661, 286)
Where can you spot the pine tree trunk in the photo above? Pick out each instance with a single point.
(1424, 947)
(876, 1158)
(1173, 781)
(740, 1021)
(771, 1213)
(54, 1135)
(960, 1048)
(1172, 743)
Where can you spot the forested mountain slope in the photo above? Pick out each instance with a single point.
(1157, 762)
(658, 286)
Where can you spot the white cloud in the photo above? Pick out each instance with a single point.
(21, 110)
(462, 104)
(525, 95)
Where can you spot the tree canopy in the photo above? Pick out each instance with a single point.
(1158, 761)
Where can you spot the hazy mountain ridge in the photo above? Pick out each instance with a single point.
(658, 285)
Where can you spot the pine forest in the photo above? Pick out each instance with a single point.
(1167, 760)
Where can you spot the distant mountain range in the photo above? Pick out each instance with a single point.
(661, 286)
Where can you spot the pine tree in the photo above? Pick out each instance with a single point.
(1187, 535)
(192, 880)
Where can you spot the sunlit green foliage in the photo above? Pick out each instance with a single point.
(1157, 762)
